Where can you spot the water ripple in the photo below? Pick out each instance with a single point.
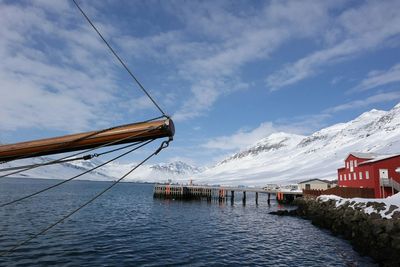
(127, 227)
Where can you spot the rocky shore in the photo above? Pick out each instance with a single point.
(362, 224)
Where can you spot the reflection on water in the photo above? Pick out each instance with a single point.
(127, 226)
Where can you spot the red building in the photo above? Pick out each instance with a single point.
(369, 170)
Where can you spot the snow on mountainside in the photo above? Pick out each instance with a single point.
(177, 167)
(274, 142)
(286, 158)
(147, 173)
(277, 158)
(58, 171)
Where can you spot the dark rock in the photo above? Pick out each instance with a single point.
(391, 209)
(396, 215)
(284, 212)
(370, 234)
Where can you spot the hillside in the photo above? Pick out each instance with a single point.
(288, 158)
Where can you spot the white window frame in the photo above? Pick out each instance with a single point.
(347, 165)
(340, 177)
(360, 175)
(345, 178)
(355, 163)
(367, 175)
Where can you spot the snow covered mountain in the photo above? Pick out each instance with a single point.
(162, 172)
(288, 158)
(177, 167)
(278, 158)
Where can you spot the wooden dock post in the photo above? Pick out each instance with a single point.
(214, 193)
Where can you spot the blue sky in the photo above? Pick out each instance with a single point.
(229, 72)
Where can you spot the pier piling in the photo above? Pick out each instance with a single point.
(216, 193)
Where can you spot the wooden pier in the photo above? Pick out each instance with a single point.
(213, 193)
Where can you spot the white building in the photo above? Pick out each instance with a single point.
(315, 184)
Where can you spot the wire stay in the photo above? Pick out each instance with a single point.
(163, 145)
(119, 59)
(75, 154)
(60, 161)
(138, 144)
(73, 177)
(86, 137)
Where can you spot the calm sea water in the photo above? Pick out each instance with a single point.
(127, 227)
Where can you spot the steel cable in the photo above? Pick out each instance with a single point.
(73, 177)
(119, 59)
(83, 138)
(76, 154)
(163, 145)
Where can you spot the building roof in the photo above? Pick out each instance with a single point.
(363, 155)
(319, 180)
(379, 158)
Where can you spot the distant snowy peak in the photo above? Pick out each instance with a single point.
(177, 167)
(362, 126)
(273, 142)
(390, 121)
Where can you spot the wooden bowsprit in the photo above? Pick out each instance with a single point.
(136, 134)
(114, 136)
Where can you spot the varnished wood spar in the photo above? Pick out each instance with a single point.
(126, 133)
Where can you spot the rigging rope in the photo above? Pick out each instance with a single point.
(60, 161)
(119, 59)
(74, 177)
(163, 145)
(140, 144)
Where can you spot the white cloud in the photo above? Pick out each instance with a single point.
(302, 125)
(364, 28)
(55, 73)
(241, 138)
(246, 137)
(379, 78)
(216, 42)
(362, 103)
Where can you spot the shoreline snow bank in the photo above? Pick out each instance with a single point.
(385, 207)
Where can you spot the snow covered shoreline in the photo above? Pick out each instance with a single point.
(385, 207)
